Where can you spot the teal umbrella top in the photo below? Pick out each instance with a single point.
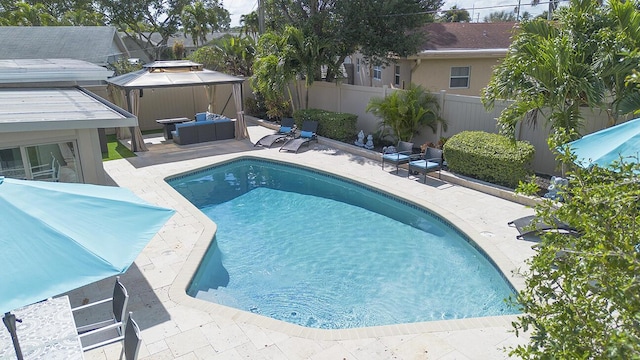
(56, 237)
(608, 145)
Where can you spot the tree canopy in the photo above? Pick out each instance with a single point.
(582, 292)
(582, 60)
(376, 28)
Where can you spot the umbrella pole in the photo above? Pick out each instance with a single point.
(9, 321)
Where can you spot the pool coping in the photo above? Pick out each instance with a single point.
(177, 291)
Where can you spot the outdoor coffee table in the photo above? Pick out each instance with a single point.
(170, 125)
(47, 331)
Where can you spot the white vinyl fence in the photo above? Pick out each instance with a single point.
(461, 113)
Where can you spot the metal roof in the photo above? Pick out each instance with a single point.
(50, 70)
(172, 73)
(96, 44)
(40, 109)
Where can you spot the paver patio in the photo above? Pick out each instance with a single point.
(175, 326)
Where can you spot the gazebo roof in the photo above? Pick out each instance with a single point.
(172, 74)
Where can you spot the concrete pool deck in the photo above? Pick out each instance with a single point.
(176, 326)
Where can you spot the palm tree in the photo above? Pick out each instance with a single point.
(547, 68)
(406, 111)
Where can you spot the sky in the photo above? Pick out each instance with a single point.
(478, 9)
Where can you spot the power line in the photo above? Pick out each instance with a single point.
(474, 8)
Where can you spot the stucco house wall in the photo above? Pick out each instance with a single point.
(435, 74)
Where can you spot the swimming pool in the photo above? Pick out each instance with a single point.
(324, 252)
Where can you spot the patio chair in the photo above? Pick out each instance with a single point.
(130, 337)
(93, 335)
(430, 160)
(307, 134)
(287, 129)
(400, 154)
(46, 172)
(531, 227)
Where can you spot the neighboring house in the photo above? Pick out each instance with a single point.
(457, 57)
(99, 45)
(136, 50)
(50, 126)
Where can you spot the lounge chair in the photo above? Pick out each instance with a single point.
(307, 134)
(287, 129)
(531, 227)
(430, 160)
(397, 155)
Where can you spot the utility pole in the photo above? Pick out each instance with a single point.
(261, 16)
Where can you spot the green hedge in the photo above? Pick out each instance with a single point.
(333, 125)
(489, 157)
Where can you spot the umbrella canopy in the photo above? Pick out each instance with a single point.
(58, 236)
(608, 145)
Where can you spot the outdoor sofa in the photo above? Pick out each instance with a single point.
(205, 130)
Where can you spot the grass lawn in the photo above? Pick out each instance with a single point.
(118, 151)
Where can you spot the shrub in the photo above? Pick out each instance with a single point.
(333, 125)
(489, 157)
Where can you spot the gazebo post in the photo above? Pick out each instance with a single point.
(127, 94)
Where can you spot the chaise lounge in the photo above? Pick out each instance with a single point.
(287, 129)
(307, 134)
(531, 227)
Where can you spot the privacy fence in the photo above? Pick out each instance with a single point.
(461, 112)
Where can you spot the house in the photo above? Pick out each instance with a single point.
(50, 126)
(457, 57)
(99, 45)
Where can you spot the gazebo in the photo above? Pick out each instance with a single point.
(180, 73)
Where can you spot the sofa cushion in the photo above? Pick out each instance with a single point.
(201, 116)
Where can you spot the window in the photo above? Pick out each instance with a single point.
(459, 77)
(47, 162)
(396, 80)
(377, 72)
(358, 65)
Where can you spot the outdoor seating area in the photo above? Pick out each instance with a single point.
(430, 160)
(203, 131)
(307, 134)
(286, 130)
(397, 155)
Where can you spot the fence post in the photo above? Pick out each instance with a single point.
(443, 93)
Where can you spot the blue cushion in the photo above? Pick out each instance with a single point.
(424, 164)
(306, 134)
(186, 124)
(201, 116)
(396, 157)
(221, 119)
(285, 129)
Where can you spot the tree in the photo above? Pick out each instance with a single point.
(249, 24)
(582, 293)
(500, 16)
(198, 21)
(455, 15)
(551, 66)
(406, 111)
(583, 60)
(237, 54)
(376, 28)
(150, 23)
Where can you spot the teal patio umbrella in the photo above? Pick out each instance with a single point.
(608, 145)
(56, 237)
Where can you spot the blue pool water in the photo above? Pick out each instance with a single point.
(318, 251)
